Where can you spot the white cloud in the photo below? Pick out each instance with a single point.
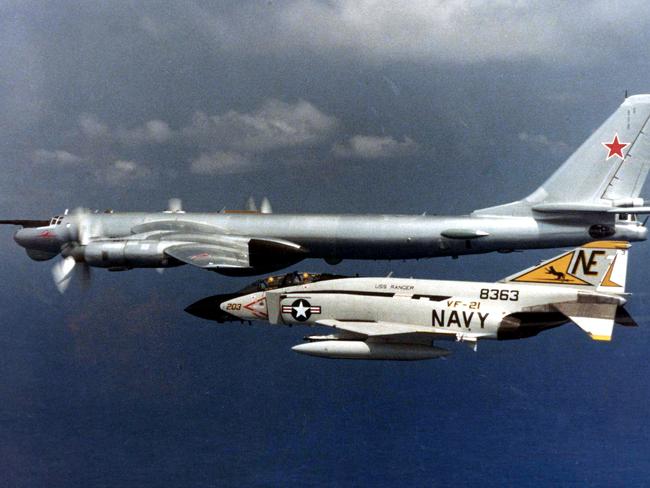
(543, 141)
(433, 30)
(275, 125)
(125, 166)
(374, 147)
(64, 158)
(92, 127)
(151, 132)
(221, 163)
(121, 171)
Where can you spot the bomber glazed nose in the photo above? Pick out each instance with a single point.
(38, 239)
(22, 236)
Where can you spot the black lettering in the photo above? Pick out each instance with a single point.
(438, 320)
(482, 317)
(453, 318)
(586, 264)
(467, 318)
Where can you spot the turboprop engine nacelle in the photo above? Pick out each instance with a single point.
(124, 254)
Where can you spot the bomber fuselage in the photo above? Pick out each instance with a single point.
(337, 237)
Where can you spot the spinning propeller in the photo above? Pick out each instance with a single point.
(72, 253)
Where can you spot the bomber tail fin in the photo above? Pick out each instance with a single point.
(607, 171)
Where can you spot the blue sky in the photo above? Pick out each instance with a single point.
(341, 106)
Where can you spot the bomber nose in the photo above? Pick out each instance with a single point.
(21, 237)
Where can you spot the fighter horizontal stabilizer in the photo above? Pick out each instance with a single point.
(598, 329)
(624, 318)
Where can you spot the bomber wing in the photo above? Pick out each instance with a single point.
(209, 247)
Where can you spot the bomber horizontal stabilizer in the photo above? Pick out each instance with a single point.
(576, 208)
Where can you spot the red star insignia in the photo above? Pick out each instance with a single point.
(615, 147)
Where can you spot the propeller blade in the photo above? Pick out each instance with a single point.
(83, 270)
(265, 207)
(62, 273)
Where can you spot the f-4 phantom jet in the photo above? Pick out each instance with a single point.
(594, 195)
(399, 319)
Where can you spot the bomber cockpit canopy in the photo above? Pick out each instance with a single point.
(56, 220)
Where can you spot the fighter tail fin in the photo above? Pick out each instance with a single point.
(607, 170)
(597, 266)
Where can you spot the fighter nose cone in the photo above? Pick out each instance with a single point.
(248, 307)
(209, 309)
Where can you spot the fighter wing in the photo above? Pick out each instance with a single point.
(386, 329)
(374, 329)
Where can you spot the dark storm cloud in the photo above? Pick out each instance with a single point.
(423, 31)
(132, 94)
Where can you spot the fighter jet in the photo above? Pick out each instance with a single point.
(400, 319)
(593, 195)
